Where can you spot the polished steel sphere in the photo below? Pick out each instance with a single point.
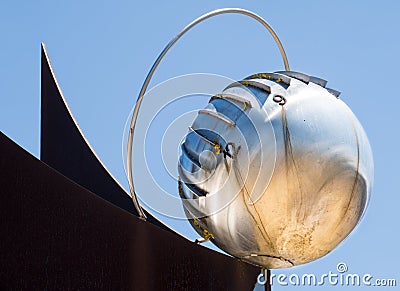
(276, 170)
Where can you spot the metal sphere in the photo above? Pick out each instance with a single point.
(276, 170)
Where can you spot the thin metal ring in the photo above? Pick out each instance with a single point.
(153, 69)
(279, 99)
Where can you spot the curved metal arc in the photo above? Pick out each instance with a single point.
(158, 61)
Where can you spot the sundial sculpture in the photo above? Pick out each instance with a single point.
(276, 170)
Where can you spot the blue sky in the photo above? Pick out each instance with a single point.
(102, 50)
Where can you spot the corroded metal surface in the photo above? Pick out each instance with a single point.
(57, 235)
(64, 147)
